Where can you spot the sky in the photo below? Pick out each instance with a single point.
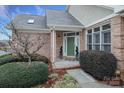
(13, 10)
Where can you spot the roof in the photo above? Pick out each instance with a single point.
(21, 22)
(61, 18)
(109, 7)
(43, 23)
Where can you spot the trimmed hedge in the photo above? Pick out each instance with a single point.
(98, 63)
(23, 74)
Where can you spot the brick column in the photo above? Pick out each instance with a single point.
(53, 46)
(117, 35)
(82, 40)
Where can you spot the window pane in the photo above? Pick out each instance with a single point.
(64, 34)
(106, 37)
(96, 38)
(96, 29)
(89, 47)
(65, 45)
(89, 39)
(77, 44)
(97, 47)
(105, 27)
(77, 33)
(107, 48)
(90, 31)
(70, 34)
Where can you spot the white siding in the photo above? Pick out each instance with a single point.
(118, 8)
(87, 14)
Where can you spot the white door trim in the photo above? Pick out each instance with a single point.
(76, 37)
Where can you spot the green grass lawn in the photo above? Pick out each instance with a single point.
(5, 56)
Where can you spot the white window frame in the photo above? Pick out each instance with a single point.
(102, 43)
(94, 44)
(101, 38)
(87, 44)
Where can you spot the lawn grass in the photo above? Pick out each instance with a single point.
(6, 55)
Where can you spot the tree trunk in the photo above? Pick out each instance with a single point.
(29, 59)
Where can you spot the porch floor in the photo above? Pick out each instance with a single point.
(63, 64)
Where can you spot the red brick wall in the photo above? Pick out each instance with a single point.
(117, 26)
(45, 37)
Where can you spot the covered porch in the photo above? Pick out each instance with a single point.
(66, 45)
(67, 36)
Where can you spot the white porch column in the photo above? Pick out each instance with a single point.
(53, 45)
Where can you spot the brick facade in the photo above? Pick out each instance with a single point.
(47, 49)
(117, 43)
(59, 42)
(82, 40)
(45, 37)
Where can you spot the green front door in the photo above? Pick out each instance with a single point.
(70, 46)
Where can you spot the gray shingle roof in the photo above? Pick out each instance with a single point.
(52, 18)
(21, 22)
(61, 18)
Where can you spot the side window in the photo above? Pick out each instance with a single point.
(99, 38)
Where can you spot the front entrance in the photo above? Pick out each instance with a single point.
(71, 44)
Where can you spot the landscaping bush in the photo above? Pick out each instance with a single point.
(6, 58)
(98, 63)
(23, 74)
(10, 58)
(35, 57)
(66, 82)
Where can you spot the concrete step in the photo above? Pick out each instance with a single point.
(65, 64)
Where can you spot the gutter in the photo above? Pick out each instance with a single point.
(50, 25)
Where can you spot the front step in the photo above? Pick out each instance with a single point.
(67, 68)
(66, 64)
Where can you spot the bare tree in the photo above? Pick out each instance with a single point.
(22, 43)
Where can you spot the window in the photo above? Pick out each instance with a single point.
(65, 41)
(99, 38)
(106, 38)
(89, 39)
(70, 34)
(96, 39)
(30, 21)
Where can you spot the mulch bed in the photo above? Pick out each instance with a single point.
(51, 81)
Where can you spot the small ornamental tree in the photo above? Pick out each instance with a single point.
(23, 44)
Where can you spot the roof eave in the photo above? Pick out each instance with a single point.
(53, 25)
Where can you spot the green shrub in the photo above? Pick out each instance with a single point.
(10, 58)
(21, 74)
(98, 63)
(35, 57)
(6, 58)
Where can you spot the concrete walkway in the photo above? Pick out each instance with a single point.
(65, 64)
(85, 80)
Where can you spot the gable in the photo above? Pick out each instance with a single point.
(87, 14)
